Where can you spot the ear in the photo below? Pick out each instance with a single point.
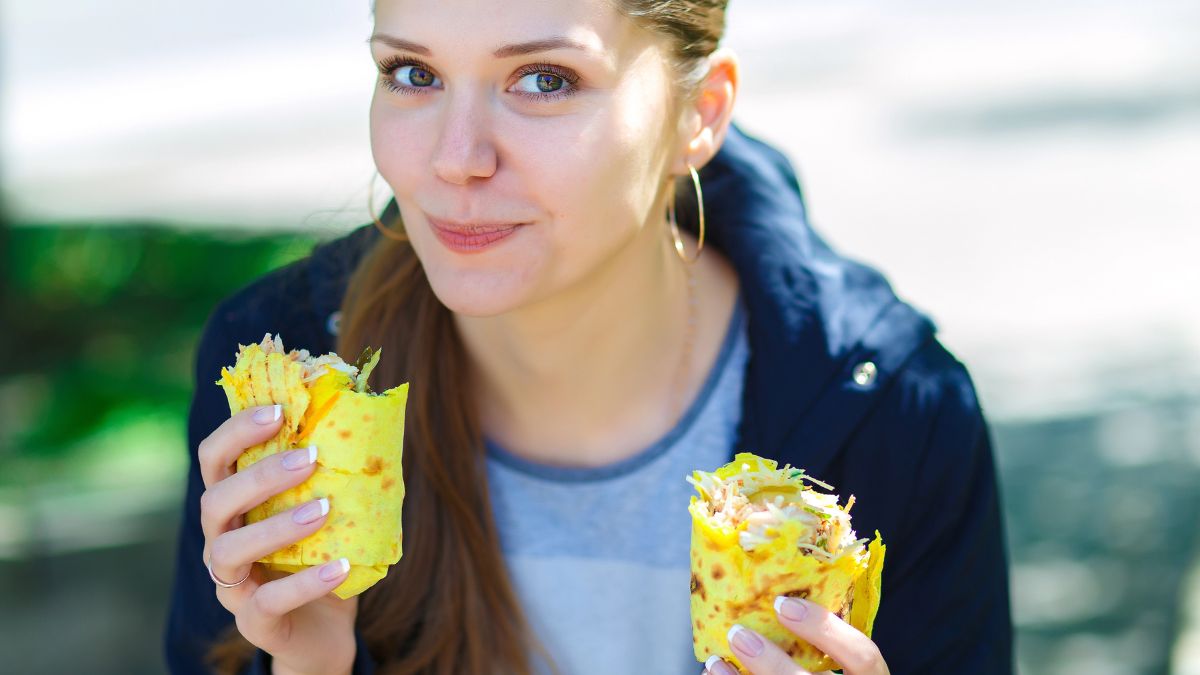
(707, 121)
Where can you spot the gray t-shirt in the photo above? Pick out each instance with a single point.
(600, 556)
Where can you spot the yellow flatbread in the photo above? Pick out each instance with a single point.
(732, 584)
(360, 440)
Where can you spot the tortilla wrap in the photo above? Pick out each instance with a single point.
(359, 439)
(759, 532)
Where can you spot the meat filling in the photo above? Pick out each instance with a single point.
(763, 500)
(314, 366)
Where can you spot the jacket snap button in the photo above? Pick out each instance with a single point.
(864, 373)
(333, 323)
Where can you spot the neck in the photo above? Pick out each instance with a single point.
(558, 380)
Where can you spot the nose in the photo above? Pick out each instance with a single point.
(464, 149)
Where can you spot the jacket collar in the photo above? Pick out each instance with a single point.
(816, 319)
(826, 333)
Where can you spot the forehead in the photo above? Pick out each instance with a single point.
(480, 27)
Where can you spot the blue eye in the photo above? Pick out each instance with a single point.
(418, 76)
(413, 73)
(546, 83)
(403, 75)
(552, 82)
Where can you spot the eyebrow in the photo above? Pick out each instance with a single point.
(504, 52)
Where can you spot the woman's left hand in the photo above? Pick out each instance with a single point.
(853, 651)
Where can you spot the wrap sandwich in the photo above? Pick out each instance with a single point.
(359, 439)
(759, 532)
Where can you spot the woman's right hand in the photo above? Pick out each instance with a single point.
(294, 617)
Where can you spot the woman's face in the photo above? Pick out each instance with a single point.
(573, 142)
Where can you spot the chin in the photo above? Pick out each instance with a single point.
(479, 293)
(487, 284)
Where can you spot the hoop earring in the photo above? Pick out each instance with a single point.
(383, 229)
(675, 226)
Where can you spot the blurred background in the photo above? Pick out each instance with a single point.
(1025, 173)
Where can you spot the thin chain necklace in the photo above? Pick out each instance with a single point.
(680, 388)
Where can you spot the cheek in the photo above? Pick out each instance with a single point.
(593, 174)
(612, 200)
(584, 200)
(622, 153)
(399, 148)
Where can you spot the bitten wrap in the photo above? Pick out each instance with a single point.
(788, 555)
(359, 437)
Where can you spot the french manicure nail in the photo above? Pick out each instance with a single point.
(333, 570)
(311, 511)
(298, 459)
(744, 641)
(716, 666)
(790, 608)
(268, 414)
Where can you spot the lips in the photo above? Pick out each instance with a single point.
(471, 237)
(471, 229)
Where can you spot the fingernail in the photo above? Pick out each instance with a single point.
(717, 666)
(268, 414)
(311, 511)
(790, 608)
(298, 459)
(333, 570)
(744, 641)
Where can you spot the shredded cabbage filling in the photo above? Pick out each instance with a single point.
(762, 500)
(314, 366)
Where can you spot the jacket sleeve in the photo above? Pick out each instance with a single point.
(945, 606)
(195, 618)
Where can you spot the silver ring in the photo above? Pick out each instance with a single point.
(222, 584)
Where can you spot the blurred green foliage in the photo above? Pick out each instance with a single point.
(103, 323)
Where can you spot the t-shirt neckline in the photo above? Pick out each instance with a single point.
(572, 474)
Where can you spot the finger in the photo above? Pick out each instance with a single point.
(759, 655)
(219, 451)
(718, 666)
(233, 598)
(854, 652)
(262, 614)
(232, 553)
(242, 491)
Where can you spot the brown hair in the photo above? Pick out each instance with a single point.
(448, 607)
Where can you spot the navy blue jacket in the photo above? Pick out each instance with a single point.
(844, 380)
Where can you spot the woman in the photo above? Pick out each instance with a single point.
(573, 355)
